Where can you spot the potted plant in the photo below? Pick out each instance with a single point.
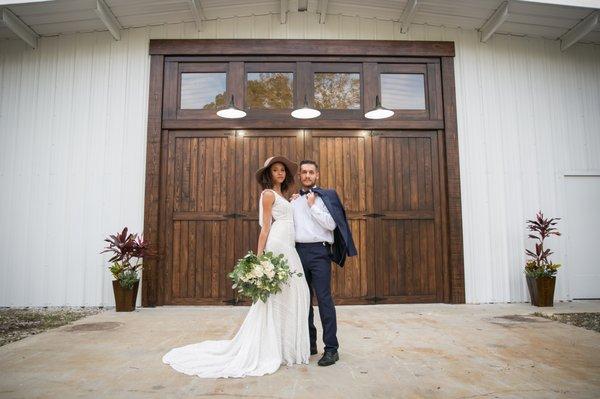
(125, 285)
(539, 269)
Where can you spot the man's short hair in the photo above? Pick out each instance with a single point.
(309, 162)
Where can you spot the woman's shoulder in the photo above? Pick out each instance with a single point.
(268, 194)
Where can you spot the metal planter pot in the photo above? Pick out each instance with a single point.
(125, 298)
(541, 290)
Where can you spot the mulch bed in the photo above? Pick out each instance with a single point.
(590, 321)
(18, 323)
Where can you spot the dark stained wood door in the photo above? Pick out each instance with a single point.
(200, 223)
(387, 180)
(344, 158)
(409, 228)
(252, 149)
(212, 207)
(408, 261)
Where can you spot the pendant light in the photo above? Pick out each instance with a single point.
(231, 112)
(305, 112)
(379, 112)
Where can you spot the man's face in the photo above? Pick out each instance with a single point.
(308, 175)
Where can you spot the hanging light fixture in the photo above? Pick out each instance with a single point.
(305, 112)
(379, 112)
(231, 112)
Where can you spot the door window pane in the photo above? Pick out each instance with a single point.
(270, 90)
(204, 90)
(337, 90)
(402, 90)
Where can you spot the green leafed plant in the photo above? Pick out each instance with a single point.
(125, 248)
(539, 264)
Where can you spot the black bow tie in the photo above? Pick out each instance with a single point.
(314, 190)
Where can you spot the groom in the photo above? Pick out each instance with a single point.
(322, 236)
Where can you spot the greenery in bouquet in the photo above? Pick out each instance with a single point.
(257, 277)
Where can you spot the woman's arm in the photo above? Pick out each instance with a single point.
(268, 198)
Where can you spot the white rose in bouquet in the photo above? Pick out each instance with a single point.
(258, 271)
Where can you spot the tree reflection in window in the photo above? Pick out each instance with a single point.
(337, 90)
(270, 90)
(204, 90)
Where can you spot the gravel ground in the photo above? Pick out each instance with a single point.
(590, 321)
(18, 323)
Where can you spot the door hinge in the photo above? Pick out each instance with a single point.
(374, 215)
(232, 301)
(375, 299)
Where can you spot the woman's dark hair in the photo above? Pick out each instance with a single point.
(266, 181)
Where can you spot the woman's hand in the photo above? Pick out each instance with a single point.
(294, 196)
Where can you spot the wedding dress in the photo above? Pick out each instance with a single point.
(273, 333)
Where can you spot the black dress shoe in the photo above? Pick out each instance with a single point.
(329, 358)
(313, 350)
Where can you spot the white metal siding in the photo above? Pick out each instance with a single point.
(73, 141)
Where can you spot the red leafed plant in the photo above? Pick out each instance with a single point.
(125, 247)
(539, 265)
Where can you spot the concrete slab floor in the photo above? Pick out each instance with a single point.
(386, 351)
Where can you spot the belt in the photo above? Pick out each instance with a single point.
(313, 244)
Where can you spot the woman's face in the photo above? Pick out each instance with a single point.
(278, 172)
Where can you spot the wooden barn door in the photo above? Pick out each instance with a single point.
(252, 149)
(345, 163)
(211, 198)
(388, 182)
(398, 177)
(407, 217)
(200, 219)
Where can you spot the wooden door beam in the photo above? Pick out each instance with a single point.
(299, 47)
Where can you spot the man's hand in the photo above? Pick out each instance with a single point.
(311, 198)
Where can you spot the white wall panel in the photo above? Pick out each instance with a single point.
(73, 141)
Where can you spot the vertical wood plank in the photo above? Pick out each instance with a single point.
(150, 289)
(176, 259)
(183, 258)
(170, 95)
(453, 183)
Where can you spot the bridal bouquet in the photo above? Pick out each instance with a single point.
(257, 277)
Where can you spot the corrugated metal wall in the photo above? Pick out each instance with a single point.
(73, 133)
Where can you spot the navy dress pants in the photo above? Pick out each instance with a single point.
(317, 269)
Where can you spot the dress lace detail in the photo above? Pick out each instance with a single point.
(273, 333)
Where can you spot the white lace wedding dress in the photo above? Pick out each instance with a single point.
(273, 333)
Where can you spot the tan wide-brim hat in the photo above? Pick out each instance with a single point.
(292, 166)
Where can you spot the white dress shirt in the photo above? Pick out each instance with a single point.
(312, 223)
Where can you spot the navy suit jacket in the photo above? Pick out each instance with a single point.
(343, 244)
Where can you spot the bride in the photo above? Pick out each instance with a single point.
(274, 332)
